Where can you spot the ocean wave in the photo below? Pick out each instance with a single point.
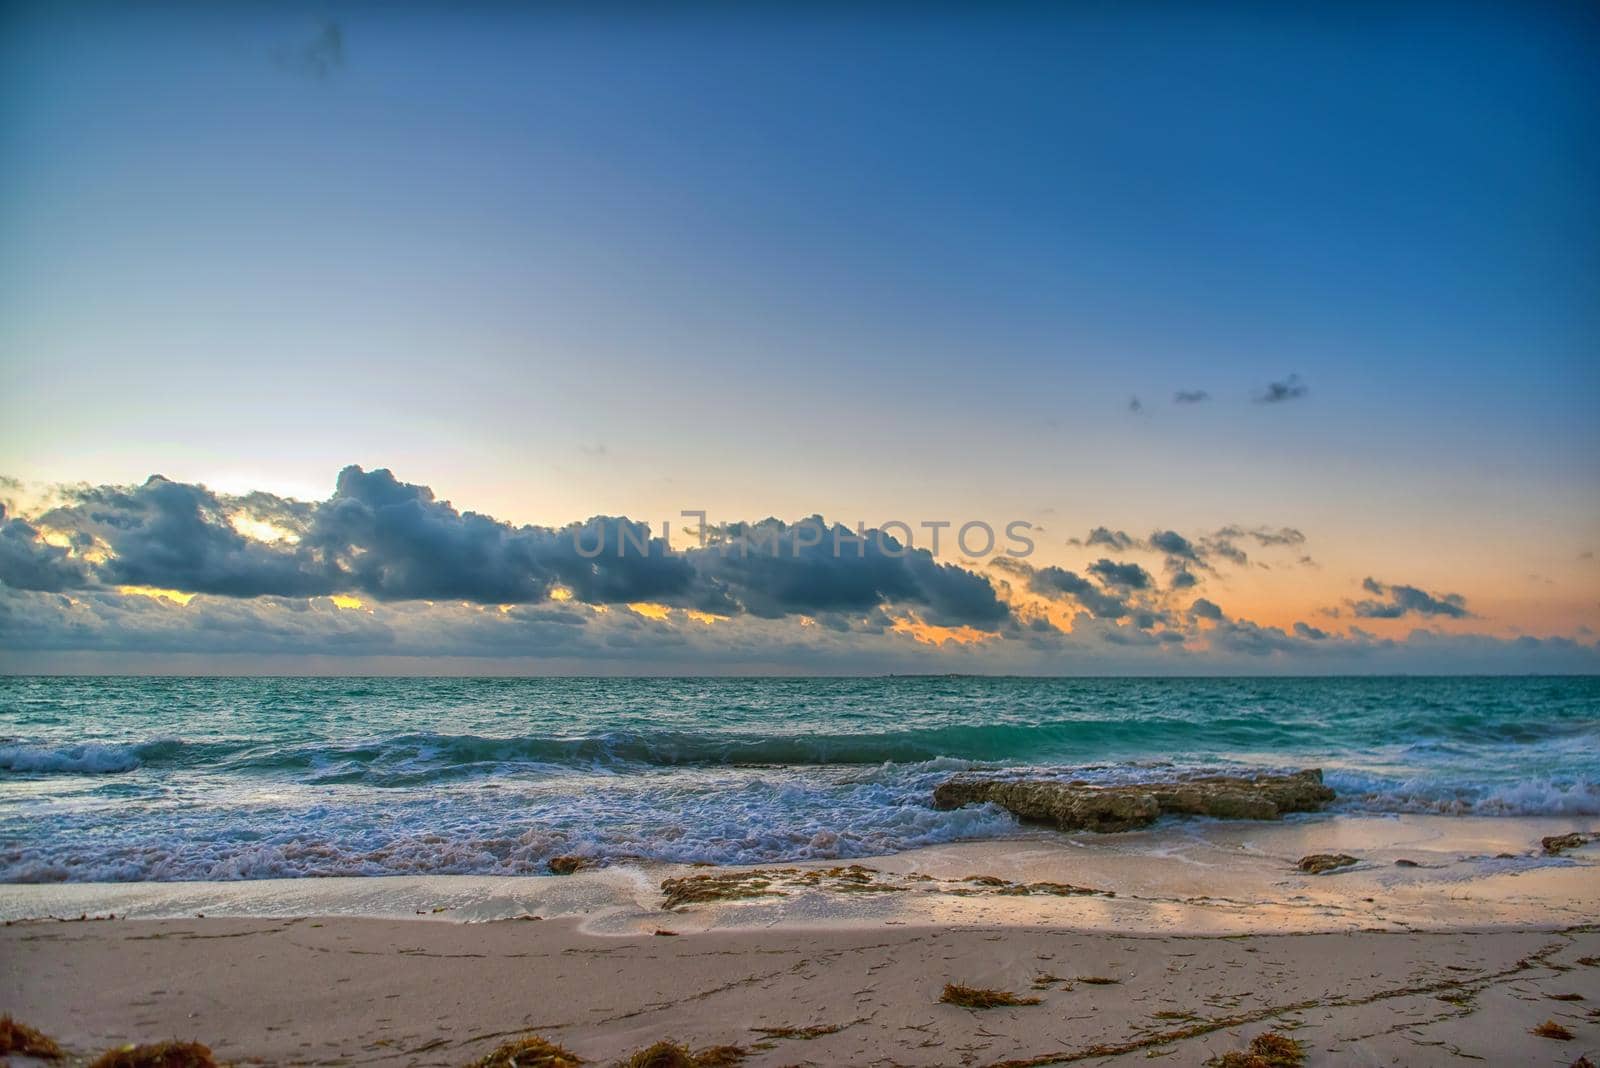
(1455, 797)
(420, 754)
(477, 832)
(89, 758)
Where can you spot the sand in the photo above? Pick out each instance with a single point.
(1212, 938)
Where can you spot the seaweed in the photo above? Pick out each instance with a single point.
(669, 1054)
(530, 1052)
(1551, 1029)
(1068, 890)
(157, 1055)
(17, 1037)
(730, 886)
(974, 997)
(1267, 1050)
(1098, 980)
(801, 1033)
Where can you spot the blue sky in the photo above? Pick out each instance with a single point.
(554, 263)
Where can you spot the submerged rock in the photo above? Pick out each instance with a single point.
(1077, 805)
(1318, 863)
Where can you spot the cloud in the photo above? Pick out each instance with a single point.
(1056, 582)
(1115, 539)
(1174, 544)
(1220, 544)
(178, 536)
(1267, 537)
(1291, 388)
(380, 538)
(1250, 639)
(1123, 576)
(1135, 405)
(317, 55)
(382, 570)
(28, 562)
(1408, 600)
(1186, 555)
(1190, 396)
(811, 567)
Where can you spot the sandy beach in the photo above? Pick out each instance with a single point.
(1211, 938)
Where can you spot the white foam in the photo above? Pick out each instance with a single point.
(89, 758)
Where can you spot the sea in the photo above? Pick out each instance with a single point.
(177, 779)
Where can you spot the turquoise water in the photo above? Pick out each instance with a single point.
(202, 778)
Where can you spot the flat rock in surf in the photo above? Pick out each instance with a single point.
(1074, 805)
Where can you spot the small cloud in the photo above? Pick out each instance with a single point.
(1291, 388)
(1115, 539)
(1135, 405)
(1403, 600)
(1174, 544)
(1125, 576)
(1190, 396)
(316, 56)
(1204, 609)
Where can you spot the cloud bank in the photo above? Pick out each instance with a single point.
(136, 577)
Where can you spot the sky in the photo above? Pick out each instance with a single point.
(1314, 291)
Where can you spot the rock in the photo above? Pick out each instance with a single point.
(1404, 863)
(1554, 844)
(1317, 863)
(569, 864)
(1077, 805)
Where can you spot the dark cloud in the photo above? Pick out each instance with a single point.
(1204, 609)
(1291, 388)
(1221, 545)
(1174, 544)
(1190, 396)
(1306, 630)
(1250, 639)
(388, 540)
(1121, 575)
(27, 562)
(1056, 582)
(1408, 600)
(1114, 539)
(773, 568)
(178, 536)
(1183, 579)
(1135, 405)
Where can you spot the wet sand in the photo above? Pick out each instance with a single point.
(1211, 937)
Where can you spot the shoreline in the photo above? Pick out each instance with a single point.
(1199, 936)
(1193, 876)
